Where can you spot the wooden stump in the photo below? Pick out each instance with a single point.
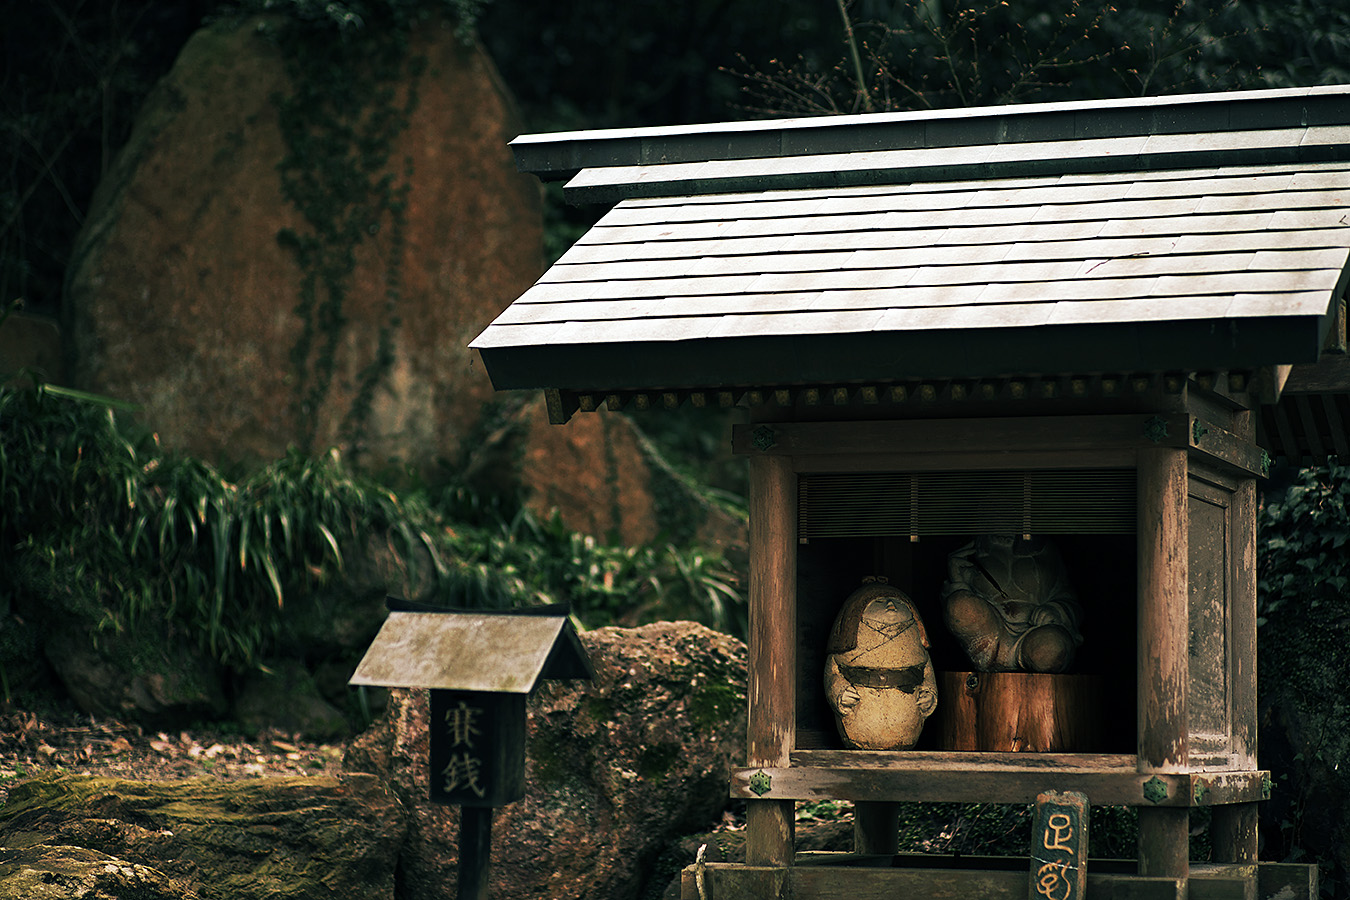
(1019, 712)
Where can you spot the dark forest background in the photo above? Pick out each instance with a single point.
(74, 72)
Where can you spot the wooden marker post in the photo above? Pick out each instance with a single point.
(478, 762)
(479, 667)
(1059, 847)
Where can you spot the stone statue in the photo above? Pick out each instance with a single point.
(878, 677)
(1009, 603)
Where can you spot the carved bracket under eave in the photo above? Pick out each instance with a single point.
(1268, 383)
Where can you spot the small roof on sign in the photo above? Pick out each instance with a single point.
(475, 650)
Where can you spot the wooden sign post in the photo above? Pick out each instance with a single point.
(478, 762)
(1059, 847)
(480, 667)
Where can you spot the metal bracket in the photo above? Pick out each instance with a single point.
(761, 783)
(1155, 790)
(1265, 464)
(763, 438)
(1155, 429)
(1201, 791)
(1198, 430)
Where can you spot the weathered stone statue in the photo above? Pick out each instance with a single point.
(878, 677)
(1008, 601)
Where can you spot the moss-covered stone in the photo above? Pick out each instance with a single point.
(298, 838)
(43, 872)
(616, 769)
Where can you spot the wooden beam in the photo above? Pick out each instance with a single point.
(560, 404)
(772, 651)
(1056, 434)
(1331, 373)
(937, 783)
(872, 879)
(1219, 446)
(1161, 667)
(844, 876)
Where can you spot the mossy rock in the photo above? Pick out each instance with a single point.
(60, 872)
(316, 838)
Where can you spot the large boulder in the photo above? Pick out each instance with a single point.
(316, 838)
(135, 675)
(616, 769)
(185, 290)
(186, 294)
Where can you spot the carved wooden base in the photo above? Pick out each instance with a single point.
(1019, 712)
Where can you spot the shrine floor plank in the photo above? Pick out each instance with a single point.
(842, 876)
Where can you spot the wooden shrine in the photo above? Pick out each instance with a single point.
(1087, 324)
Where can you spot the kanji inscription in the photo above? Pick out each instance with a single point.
(1059, 846)
(477, 747)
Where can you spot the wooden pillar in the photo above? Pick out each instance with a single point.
(876, 828)
(475, 849)
(1232, 832)
(772, 651)
(1162, 653)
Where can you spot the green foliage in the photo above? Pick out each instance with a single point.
(98, 523)
(1304, 662)
(528, 560)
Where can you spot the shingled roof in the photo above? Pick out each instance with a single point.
(1178, 234)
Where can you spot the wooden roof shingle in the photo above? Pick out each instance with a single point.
(1169, 234)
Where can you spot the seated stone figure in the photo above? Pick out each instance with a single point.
(878, 677)
(1009, 603)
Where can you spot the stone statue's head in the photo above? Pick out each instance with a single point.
(879, 604)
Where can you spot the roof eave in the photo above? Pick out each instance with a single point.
(889, 356)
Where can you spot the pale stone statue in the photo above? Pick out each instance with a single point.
(1009, 603)
(878, 677)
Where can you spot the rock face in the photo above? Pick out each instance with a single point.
(616, 769)
(74, 873)
(183, 297)
(108, 839)
(158, 688)
(602, 474)
(186, 291)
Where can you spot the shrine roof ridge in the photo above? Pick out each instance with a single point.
(562, 155)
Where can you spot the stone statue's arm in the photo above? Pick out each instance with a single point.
(1062, 612)
(839, 691)
(959, 571)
